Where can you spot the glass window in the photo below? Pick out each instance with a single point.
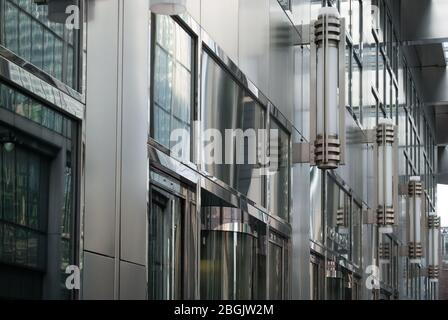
(388, 93)
(172, 91)
(234, 123)
(385, 252)
(345, 10)
(286, 4)
(375, 12)
(316, 203)
(23, 206)
(279, 170)
(356, 22)
(348, 75)
(338, 209)
(164, 262)
(357, 233)
(28, 33)
(230, 261)
(275, 272)
(24, 185)
(233, 264)
(31, 109)
(277, 267)
(356, 89)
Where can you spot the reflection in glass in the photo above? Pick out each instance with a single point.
(356, 89)
(227, 265)
(23, 207)
(164, 263)
(316, 202)
(275, 272)
(49, 46)
(338, 212)
(278, 267)
(20, 104)
(228, 108)
(356, 234)
(173, 79)
(233, 255)
(356, 25)
(279, 170)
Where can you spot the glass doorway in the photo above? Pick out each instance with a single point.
(173, 234)
(233, 255)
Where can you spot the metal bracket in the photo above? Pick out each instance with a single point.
(369, 216)
(301, 152)
(304, 34)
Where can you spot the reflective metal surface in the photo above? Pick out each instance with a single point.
(18, 76)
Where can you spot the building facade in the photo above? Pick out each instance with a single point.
(113, 123)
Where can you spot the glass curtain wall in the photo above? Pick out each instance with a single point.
(172, 86)
(233, 255)
(24, 194)
(173, 240)
(26, 30)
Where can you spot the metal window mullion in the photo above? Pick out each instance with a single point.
(325, 97)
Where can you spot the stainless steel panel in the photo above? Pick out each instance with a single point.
(158, 158)
(352, 172)
(48, 79)
(54, 94)
(97, 277)
(300, 221)
(370, 184)
(281, 59)
(132, 281)
(134, 159)
(220, 20)
(194, 9)
(369, 248)
(301, 100)
(253, 41)
(101, 127)
(316, 198)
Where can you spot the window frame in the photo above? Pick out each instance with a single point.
(193, 88)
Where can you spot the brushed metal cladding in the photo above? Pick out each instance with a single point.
(132, 281)
(194, 9)
(54, 93)
(253, 41)
(301, 99)
(300, 220)
(134, 158)
(352, 172)
(97, 277)
(368, 256)
(370, 184)
(281, 59)
(316, 198)
(220, 20)
(101, 127)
